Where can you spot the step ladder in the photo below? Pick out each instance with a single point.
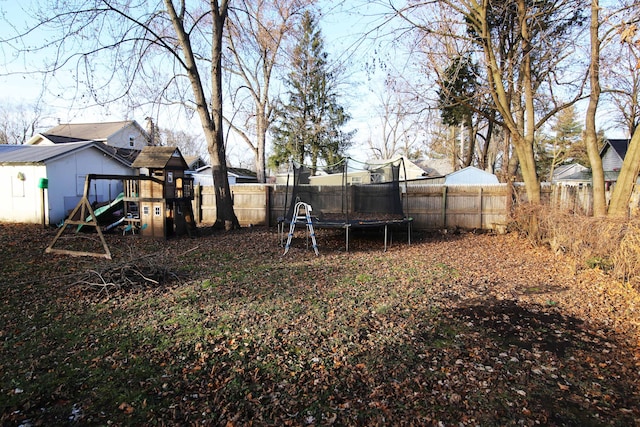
(301, 212)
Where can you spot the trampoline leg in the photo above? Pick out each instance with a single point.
(347, 238)
(385, 237)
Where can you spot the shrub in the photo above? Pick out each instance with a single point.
(610, 244)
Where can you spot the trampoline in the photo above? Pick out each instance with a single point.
(355, 196)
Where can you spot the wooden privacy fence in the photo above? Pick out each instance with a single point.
(432, 206)
(438, 206)
(250, 203)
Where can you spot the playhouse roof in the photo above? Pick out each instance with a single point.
(157, 157)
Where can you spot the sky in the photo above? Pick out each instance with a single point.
(343, 29)
(348, 30)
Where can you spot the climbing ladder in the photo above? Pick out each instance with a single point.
(298, 216)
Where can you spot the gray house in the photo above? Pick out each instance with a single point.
(612, 154)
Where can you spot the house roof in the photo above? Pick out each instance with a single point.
(89, 131)
(569, 166)
(35, 154)
(436, 167)
(585, 176)
(60, 139)
(194, 162)
(231, 171)
(242, 173)
(620, 146)
(153, 157)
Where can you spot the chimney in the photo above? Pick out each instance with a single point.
(151, 131)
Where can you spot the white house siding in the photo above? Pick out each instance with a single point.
(67, 178)
(21, 198)
(611, 161)
(121, 138)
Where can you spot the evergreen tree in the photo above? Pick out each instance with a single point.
(564, 146)
(308, 127)
(458, 89)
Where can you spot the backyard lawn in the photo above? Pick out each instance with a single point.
(456, 329)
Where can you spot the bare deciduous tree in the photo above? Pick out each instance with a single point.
(590, 135)
(256, 33)
(521, 47)
(116, 50)
(18, 122)
(401, 126)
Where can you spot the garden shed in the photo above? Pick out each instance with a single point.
(470, 175)
(42, 183)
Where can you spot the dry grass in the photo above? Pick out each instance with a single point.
(611, 244)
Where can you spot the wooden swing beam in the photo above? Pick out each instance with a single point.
(86, 211)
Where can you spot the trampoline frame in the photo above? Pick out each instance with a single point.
(347, 226)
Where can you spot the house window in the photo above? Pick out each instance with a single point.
(145, 210)
(170, 177)
(157, 211)
(132, 140)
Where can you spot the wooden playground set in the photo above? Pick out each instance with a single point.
(157, 203)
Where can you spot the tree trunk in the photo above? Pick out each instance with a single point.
(526, 160)
(211, 120)
(524, 144)
(260, 160)
(225, 215)
(468, 154)
(619, 206)
(522, 127)
(590, 132)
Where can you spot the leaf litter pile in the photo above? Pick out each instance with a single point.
(221, 329)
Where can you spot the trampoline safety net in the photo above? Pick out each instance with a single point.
(376, 198)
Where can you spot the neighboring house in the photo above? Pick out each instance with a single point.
(24, 169)
(124, 134)
(203, 176)
(124, 138)
(194, 162)
(613, 153)
(411, 170)
(470, 175)
(353, 177)
(436, 167)
(563, 172)
(368, 172)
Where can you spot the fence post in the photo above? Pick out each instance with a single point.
(444, 207)
(480, 209)
(267, 208)
(198, 202)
